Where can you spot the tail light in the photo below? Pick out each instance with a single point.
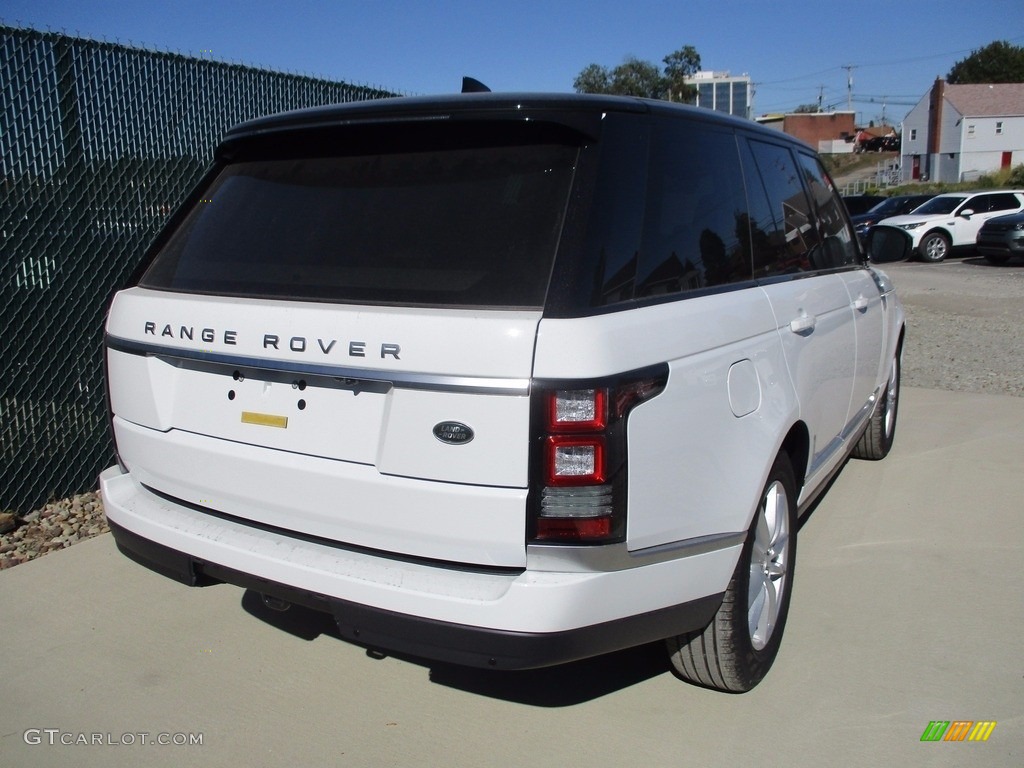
(578, 481)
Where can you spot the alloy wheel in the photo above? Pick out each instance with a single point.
(769, 563)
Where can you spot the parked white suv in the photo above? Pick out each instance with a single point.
(502, 380)
(953, 220)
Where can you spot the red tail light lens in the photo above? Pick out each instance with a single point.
(578, 492)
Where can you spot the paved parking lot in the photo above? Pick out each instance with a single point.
(908, 608)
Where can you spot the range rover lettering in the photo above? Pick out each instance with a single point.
(502, 380)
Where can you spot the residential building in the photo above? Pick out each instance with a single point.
(959, 132)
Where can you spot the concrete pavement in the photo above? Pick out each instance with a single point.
(908, 608)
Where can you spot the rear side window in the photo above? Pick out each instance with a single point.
(667, 217)
(460, 224)
(695, 231)
(996, 202)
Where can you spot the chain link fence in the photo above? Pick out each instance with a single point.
(98, 143)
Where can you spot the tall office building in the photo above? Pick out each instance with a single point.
(723, 93)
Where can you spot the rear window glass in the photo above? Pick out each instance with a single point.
(449, 226)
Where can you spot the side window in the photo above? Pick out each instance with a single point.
(607, 270)
(838, 248)
(695, 232)
(782, 230)
(979, 204)
(1003, 202)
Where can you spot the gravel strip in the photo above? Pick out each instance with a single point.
(964, 325)
(57, 525)
(963, 335)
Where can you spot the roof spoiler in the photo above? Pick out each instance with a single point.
(472, 85)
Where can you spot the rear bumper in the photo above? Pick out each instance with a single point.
(487, 618)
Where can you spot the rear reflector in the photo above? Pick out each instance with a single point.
(574, 528)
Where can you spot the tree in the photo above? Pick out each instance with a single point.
(593, 79)
(997, 62)
(635, 77)
(805, 109)
(680, 65)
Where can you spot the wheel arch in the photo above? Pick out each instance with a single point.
(797, 445)
(937, 228)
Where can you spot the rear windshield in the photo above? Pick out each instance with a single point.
(453, 225)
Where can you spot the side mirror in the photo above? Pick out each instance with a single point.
(967, 213)
(887, 245)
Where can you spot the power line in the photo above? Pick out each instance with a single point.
(888, 63)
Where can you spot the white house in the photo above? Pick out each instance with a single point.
(958, 132)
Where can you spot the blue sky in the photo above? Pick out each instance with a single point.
(792, 49)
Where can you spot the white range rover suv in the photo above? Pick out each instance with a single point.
(502, 380)
(953, 220)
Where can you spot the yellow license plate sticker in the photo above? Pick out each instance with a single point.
(264, 419)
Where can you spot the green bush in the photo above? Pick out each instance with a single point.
(1015, 178)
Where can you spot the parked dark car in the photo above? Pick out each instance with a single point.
(1002, 237)
(890, 206)
(880, 144)
(857, 204)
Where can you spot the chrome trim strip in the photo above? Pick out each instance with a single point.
(616, 557)
(825, 454)
(862, 415)
(401, 379)
(852, 429)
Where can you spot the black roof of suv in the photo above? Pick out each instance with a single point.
(580, 111)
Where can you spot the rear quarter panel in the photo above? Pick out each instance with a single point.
(698, 454)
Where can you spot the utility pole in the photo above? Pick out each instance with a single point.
(849, 85)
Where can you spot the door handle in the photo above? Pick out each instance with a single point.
(860, 303)
(803, 324)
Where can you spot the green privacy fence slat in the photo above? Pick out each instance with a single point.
(98, 144)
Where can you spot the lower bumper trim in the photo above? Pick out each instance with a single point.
(400, 633)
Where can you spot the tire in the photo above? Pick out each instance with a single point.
(876, 441)
(934, 247)
(729, 654)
